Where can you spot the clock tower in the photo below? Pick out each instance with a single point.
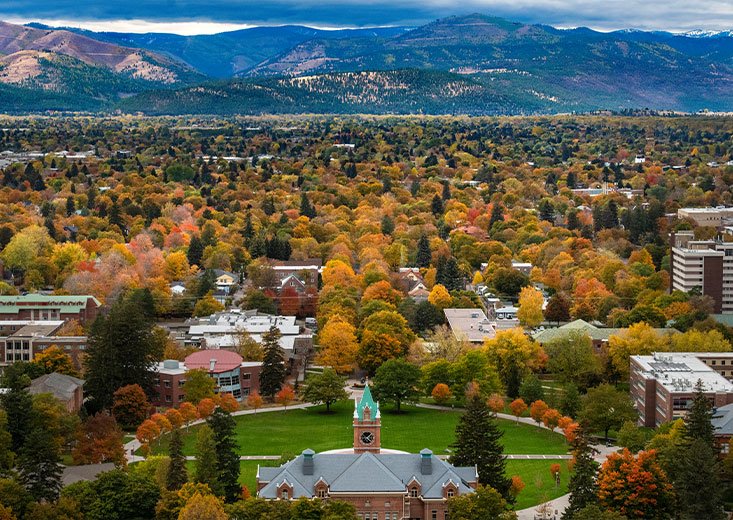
(367, 424)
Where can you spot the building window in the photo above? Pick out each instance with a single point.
(725, 448)
(180, 397)
(168, 399)
(435, 515)
(246, 377)
(713, 362)
(413, 492)
(237, 393)
(181, 382)
(450, 493)
(225, 381)
(235, 380)
(321, 493)
(167, 383)
(285, 495)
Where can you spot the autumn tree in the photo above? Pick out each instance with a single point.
(324, 388)
(147, 432)
(514, 355)
(639, 339)
(441, 393)
(100, 440)
(207, 306)
(205, 408)
(558, 308)
(440, 297)
(203, 507)
(495, 403)
(254, 401)
(54, 359)
(130, 406)
(518, 407)
(188, 413)
(537, 411)
(635, 486)
(530, 307)
(285, 396)
(385, 335)
(198, 386)
(337, 345)
(228, 402)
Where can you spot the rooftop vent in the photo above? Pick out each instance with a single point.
(308, 462)
(426, 462)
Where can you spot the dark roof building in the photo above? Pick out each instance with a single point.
(67, 389)
(381, 485)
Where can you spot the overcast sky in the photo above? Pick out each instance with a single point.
(210, 16)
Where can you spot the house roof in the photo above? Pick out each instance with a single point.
(61, 386)
(214, 361)
(595, 333)
(723, 420)
(366, 473)
(13, 304)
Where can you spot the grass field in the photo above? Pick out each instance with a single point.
(273, 433)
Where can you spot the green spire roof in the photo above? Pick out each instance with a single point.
(367, 401)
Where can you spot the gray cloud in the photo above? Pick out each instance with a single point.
(675, 15)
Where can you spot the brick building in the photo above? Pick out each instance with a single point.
(381, 484)
(69, 390)
(232, 375)
(662, 385)
(26, 340)
(42, 307)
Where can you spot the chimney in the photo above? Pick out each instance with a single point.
(308, 461)
(426, 462)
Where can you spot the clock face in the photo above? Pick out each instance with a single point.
(367, 438)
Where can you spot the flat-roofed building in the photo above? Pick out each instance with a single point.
(470, 325)
(662, 385)
(44, 307)
(32, 338)
(710, 216)
(703, 264)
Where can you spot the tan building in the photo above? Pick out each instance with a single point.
(715, 217)
(470, 325)
(27, 341)
(703, 264)
(662, 385)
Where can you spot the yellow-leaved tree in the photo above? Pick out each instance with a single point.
(639, 339)
(338, 345)
(440, 297)
(530, 307)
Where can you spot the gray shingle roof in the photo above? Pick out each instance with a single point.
(60, 385)
(366, 472)
(723, 420)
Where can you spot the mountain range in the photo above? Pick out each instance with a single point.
(473, 64)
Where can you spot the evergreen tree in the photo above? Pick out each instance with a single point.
(177, 472)
(248, 231)
(531, 389)
(195, 250)
(582, 485)
(387, 225)
(272, 375)
(115, 219)
(547, 210)
(446, 191)
(573, 221)
(572, 180)
(70, 206)
(436, 206)
(415, 187)
(497, 214)
(268, 206)
(698, 487)
(222, 424)
(119, 352)
(449, 275)
(38, 466)
(478, 442)
(386, 184)
(51, 227)
(306, 209)
(18, 406)
(205, 467)
(424, 256)
(699, 417)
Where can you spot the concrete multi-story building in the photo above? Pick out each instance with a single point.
(24, 342)
(232, 374)
(470, 325)
(716, 217)
(662, 385)
(703, 264)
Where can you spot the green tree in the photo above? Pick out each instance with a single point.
(195, 250)
(177, 472)
(326, 387)
(306, 209)
(18, 406)
(119, 353)
(698, 487)
(593, 512)
(222, 424)
(38, 466)
(582, 485)
(699, 418)
(272, 375)
(631, 437)
(571, 359)
(397, 381)
(7, 457)
(478, 442)
(199, 385)
(531, 389)
(485, 503)
(604, 408)
(424, 256)
(570, 402)
(205, 467)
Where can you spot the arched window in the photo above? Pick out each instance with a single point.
(285, 494)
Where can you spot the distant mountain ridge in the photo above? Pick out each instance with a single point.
(507, 67)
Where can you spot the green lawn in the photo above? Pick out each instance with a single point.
(533, 472)
(273, 433)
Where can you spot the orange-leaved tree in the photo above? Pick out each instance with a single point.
(255, 401)
(229, 403)
(285, 396)
(517, 485)
(636, 486)
(537, 411)
(99, 440)
(518, 407)
(130, 406)
(495, 403)
(551, 419)
(205, 407)
(146, 433)
(441, 393)
(175, 417)
(188, 412)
